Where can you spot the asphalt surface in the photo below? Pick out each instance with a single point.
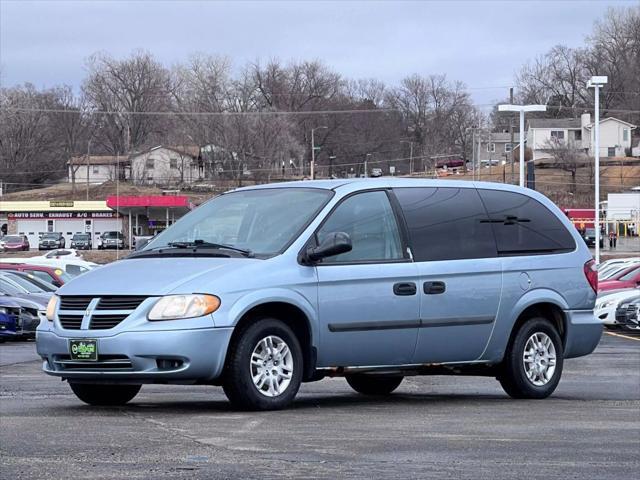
(433, 427)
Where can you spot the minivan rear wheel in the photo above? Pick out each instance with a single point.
(532, 365)
(264, 366)
(374, 384)
(104, 395)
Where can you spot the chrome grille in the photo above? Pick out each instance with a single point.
(120, 303)
(105, 312)
(74, 303)
(70, 322)
(105, 322)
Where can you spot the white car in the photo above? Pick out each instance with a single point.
(74, 266)
(606, 305)
(609, 268)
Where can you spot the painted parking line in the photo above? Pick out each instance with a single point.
(637, 339)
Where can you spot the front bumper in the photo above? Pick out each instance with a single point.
(583, 332)
(157, 356)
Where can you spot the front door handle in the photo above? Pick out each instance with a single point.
(404, 289)
(434, 288)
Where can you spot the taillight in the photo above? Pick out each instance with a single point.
(592, 274)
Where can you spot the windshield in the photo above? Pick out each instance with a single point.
(26, 284)
(590, 231)
(264, 221)
(9, 288)
(81, 237)
(13, 239)
(51, 236)
(112, 235)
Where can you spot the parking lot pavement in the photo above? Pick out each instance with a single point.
(434, 427)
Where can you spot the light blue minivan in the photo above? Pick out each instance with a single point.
(265, 287)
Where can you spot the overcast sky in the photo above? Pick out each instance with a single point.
(481, 43)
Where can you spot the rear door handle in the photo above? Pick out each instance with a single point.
(404, 289)
(434, 288)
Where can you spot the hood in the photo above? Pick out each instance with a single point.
(29, 301)
(154, 276)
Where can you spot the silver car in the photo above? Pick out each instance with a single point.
(265, 287)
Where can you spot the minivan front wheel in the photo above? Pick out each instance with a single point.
(105, 395)
(264, 366)
(533, 363)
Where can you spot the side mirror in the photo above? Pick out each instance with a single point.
(334, 243)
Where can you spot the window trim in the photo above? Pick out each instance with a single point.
(313, 239)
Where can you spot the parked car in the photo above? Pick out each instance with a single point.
(376, 172)
(53, 275)
(9, 319)
(612, 270)
(51, 240)
(81, 241)
(628, 278)
(28, 282)
(607, 304)
(589, 237)
(14, 243)
(111, 240)
(265, 287)
(68, 253)
(72, 265)
(628, 314)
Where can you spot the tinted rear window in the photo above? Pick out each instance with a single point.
(522, 225)
(446, 223)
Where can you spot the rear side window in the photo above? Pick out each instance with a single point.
(446, 223)
(522, 225)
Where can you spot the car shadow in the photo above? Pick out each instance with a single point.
(304, 402)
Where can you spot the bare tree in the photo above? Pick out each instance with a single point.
(126, 89)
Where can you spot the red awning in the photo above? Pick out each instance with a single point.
(148, 201)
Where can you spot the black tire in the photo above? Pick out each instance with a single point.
(104, 395)
(237, 379)
(513, 377)
(374, 384)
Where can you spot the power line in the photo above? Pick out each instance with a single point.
(212, 114)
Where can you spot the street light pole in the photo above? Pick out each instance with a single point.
(522, 109)
(410, 155)
(597, 82)
(313, 152)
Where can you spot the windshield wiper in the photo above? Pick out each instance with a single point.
(202, 243)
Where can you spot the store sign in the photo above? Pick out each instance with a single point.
(61, 203)
(33, 215)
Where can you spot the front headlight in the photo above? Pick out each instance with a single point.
(605, 304)
(174, 307)
(51, 307)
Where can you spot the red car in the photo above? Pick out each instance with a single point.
(629, 278)
(55, 276)
(14, 243)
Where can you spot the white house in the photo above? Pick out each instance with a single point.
(496, 147)
(166, 165)
(97, 168)
(578, 133)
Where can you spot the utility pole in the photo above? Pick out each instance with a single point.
(88, 157)
(366, 157)
(511, 132)
(313, 152)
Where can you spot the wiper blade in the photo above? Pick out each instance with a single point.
(202, 243)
